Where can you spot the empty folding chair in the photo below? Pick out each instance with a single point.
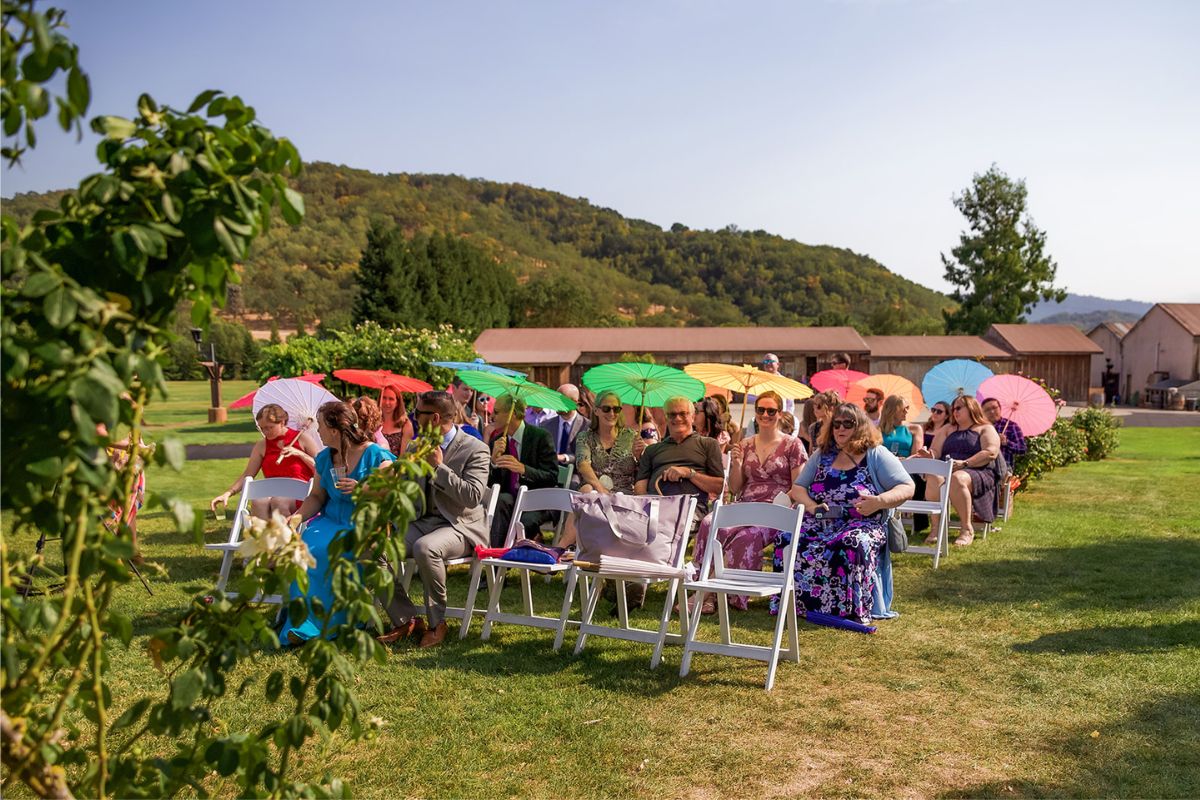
(939, 507)
(496, 568)
(717, 579)
(254, 490)
(648, 536)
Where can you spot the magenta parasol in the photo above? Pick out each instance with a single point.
(1021, 401)
(837, 380)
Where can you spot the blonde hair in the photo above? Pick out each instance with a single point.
(620, 415)
(973, 410)
(272, 412)
(892, 414)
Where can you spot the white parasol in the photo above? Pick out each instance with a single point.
(299, 398)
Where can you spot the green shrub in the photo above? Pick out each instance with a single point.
(1099, 428)
(370, 346)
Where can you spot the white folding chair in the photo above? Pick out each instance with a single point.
(593, 581)
(252, 489)
(566, 474)
(940, 507)
(490, 498)
(496, 568)
(716, 578)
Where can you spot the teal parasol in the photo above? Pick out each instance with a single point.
(534, 394)
(643, 384)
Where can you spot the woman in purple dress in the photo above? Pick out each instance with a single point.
(973, 444)
(760, 468)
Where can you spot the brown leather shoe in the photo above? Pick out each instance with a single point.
(435, 636)
(414, 627)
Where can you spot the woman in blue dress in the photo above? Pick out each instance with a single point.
(348, 458)
(847, 489)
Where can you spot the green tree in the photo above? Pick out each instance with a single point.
(1000, 266)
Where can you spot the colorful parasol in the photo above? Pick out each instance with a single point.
(247, 400)
(299, 398)
(642, 384)
(478, 365)
(889, 385)
(534, 394)
(748, 380)
(836, 380)
(381, 379)
(1021, 401)
(951, 379)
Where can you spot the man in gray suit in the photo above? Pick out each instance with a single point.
(565, 426)
(451, 524)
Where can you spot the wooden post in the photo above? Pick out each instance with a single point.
(217, 413)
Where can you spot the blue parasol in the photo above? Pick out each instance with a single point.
(830, 621)
(951, 379)
(478, 365)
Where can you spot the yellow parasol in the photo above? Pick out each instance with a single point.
(747, 380)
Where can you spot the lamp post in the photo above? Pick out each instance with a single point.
(216, 412)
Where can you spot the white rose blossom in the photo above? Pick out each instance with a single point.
(274, 541)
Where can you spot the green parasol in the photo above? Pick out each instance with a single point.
(642, 384)
(534, 394)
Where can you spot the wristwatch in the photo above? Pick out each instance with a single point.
(692, 474)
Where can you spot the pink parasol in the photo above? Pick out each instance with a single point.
(837, 380)
(247, 400)
(1021, 401)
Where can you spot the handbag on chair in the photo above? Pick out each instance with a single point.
(643, 527)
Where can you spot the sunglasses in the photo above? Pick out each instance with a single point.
(609, 409)
(770, 412)
(937, 411)
(678, 414)
(848, 424)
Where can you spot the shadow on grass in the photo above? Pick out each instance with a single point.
(1119, 639)
(1152, 752)
(1137, 572)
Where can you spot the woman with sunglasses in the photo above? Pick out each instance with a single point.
(939, 416)
(760, 468)
(605, 455)
(973, 444)
(847, 488)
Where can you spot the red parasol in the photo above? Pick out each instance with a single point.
(837, 380)
(1021, 401)
(381, 379)
(247, 400)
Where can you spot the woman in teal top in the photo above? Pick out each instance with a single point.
(898, 435)
(348, 459)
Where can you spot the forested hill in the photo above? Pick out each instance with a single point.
(575, 263)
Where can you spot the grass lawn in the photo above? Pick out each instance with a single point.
(184, 414)
(1060, 657)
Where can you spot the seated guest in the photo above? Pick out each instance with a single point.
(522, 455)
(972, 443)
(708, 423)
(464, 396)
(760, 467)
(899, 436)
(348, 459)
(281, 453)
(823, 405)
(604, 456)
(787, 424)
(872, 402)
(397, 428)
(939, 415)
(451, 523)
(1012, 440)
(683, 463)
(370, 418)
(840, 361)
(855, 482)
(465, 421)
(564, 427)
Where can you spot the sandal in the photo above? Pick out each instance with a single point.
(709, 606)
(965, 538)
(931, 540)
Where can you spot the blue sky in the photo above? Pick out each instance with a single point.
(842, 123)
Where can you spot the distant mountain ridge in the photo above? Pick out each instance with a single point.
(1081, 304)
(575, 264)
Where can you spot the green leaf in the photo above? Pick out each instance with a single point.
(202, 100)
(186, 688)
(274, 686)
(46, 468)
(115, 128)
(291, 203)
(98, 400)
(227, 241)
(60, 307)
(297, 611)
(40, 284)
(175, 452)
(79, 91)
(132, 714)
(296, 686)
(149, 241)
(168, 206)
(119, 625)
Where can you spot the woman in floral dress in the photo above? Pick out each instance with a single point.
(760, 467)
(847, 489)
